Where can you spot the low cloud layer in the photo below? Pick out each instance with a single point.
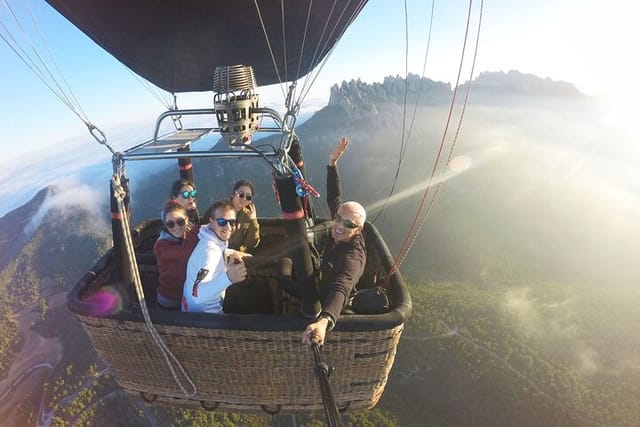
(554, 324)
(71, 193)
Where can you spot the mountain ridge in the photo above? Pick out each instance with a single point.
(377, 127)
(504, 342)
(356, 94)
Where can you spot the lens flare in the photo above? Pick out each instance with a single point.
(460, 164)
(104, 302)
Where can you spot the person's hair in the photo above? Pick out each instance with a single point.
(173, 206)
(224, 204)
(358, 212)
(177, 185)
(242, 182)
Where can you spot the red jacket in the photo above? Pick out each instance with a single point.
(172, 256)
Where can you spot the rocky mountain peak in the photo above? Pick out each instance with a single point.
(359, 94)
(356, 95)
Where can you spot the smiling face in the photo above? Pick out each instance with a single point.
(223, 215)
(189, 202)
(346, 224)
(240, 196)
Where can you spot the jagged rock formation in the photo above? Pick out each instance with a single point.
(359, 98)
(358, 95)
(503, 230)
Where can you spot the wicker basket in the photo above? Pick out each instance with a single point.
(244, 362)
(246, 370)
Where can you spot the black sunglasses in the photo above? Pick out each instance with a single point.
(245, 196)
(189, 194)
(223, 221)
(345, 222)
(180, 222)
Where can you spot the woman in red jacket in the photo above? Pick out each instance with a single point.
(172, 250)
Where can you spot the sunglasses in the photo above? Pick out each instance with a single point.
(223, 221)
(180, 222)
(189, 194)
(345, 222)
(245, 196)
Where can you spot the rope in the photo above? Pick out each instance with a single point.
(306, 87)
(404, 140)
(64, 81)
(314, 69)
(424, 67)
(167, 99)
(326, 36)
(322, 370)
(455, 138)
(284, 42)
(416, 227)
(273, 58)
(38, 66)
(264, 156)
(312, 63)
(120, 194)
(304, 39)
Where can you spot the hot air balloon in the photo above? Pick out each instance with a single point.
(238, 362)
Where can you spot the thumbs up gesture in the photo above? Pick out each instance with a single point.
(236, 270)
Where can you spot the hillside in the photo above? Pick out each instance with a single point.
(55, 256)
(534, 355)
(14, 233)
(524, 274)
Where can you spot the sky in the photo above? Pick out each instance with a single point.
(579, 41)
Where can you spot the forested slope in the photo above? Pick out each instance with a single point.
(537, 354)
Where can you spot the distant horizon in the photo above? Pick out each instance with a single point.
(519, 203)
(534, 163)
(384, 40)
(86, 150)
(80, 145)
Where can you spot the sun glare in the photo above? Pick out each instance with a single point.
(621, 114)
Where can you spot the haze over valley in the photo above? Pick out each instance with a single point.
(524, 277)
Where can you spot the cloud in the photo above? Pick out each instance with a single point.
(555, 325)
(520, 304)
(80, 157)
(589, 360)
(71, 193)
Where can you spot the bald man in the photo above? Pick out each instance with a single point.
(344, 258)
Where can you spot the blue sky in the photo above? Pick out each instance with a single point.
(578, 41)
